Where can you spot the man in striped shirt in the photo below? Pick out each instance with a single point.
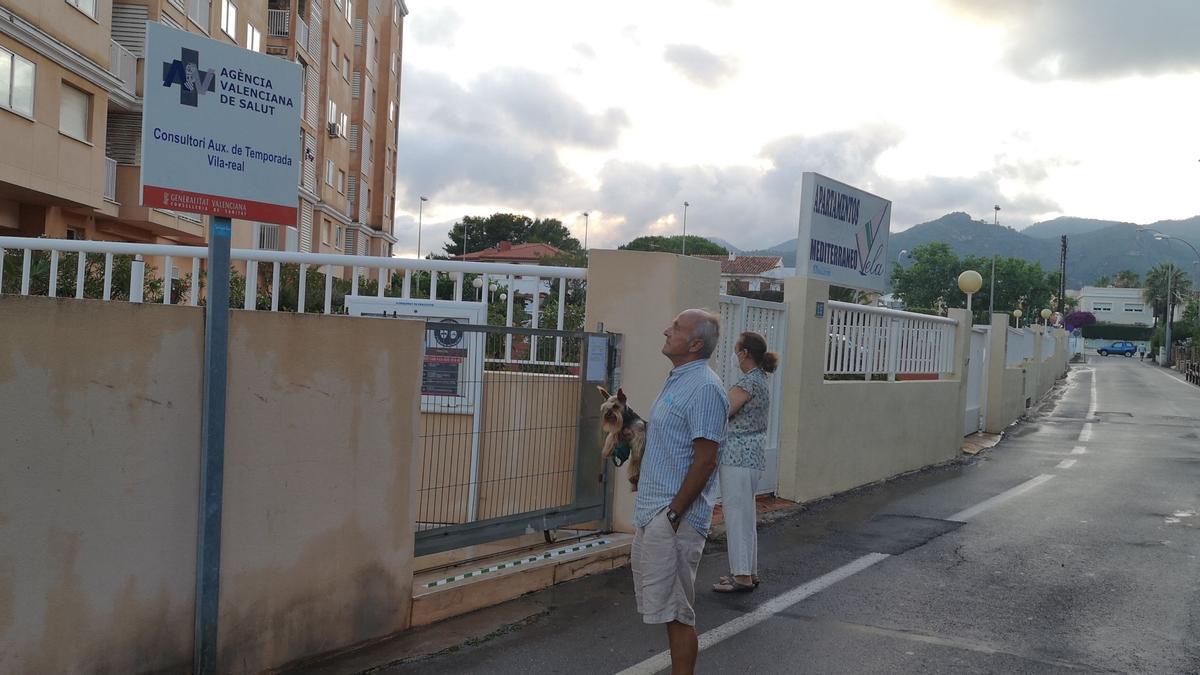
(673, 509)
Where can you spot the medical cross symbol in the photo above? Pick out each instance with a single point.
(185, 71)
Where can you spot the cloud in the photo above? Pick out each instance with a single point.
(434, 26)
(700, 65)
(584, 49)
(1092, 39)
(496, 140)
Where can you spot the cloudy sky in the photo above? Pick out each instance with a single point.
(627, 109)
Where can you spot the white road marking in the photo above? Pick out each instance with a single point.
(1066, 464)
(662, 660)
(970, 512)
(1092, 405)
(1078, 450)
(768, 609)
(1085, 434)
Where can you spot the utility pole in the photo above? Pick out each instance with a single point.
(1166, 359)
(1062, 277)
(585, 229)
(992, 290)
(685, 208)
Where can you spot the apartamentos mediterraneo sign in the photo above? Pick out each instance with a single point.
(843, 234)
(220, 128)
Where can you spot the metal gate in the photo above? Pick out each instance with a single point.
(769, 319)
(976, 410)
(510, 432)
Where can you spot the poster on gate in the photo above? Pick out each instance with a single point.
(452, 367)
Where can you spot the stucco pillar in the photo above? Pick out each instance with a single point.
(962, 356)
(994, 421)
(637, 294)
(803, 371)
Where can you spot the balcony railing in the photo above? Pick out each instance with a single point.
(123, 64)
(110, 179)
(278, 22)
(268, 237)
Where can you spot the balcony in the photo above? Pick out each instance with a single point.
(123, 64)
(268, 237)
(279, 22)
(301, 34)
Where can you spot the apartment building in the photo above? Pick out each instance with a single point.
(70, 117)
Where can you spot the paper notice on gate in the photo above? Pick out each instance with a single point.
(597, 358)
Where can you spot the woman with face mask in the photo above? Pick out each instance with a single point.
(743, 459)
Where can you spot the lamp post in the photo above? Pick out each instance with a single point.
(420, 217)
(1045, 314)
(903, 254)
(1017, 317)
(970, 282)
(1159, 236)
(685, 208)
(585, 229)
(477, 282)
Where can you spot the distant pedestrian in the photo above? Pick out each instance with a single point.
(743, 460)
(674, 503)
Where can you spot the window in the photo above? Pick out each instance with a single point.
(332, 116)
(396, 14)
(333, 52)
(345, 124)
(198, 11)
(1135, 308)
(86, 6)
(229, 18)
(338, 240)
(16, 83)
(387, 208)
(75, 113)
(395, 63)
(1102, 306)
(368, 197)
(326, 231)
(346, 68)
(372, 100)
(391, 112)
(253, 38)
(341, 184)
(350, 12)
(329, 172)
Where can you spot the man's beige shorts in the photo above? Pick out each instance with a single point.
(664, 570)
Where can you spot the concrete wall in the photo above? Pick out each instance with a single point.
(637, 294)
(99, 481)
(1010, 388)
(837, 435)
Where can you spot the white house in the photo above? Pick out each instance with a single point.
(1125, 306)
(749, 272)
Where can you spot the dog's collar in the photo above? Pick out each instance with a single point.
(620, 453)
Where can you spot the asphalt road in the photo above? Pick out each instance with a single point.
(1072, 546)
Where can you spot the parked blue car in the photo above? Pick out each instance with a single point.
(1124, 348)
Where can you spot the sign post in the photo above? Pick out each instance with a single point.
(220, 136)
(843, 234)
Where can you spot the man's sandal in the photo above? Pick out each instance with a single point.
(729, 580)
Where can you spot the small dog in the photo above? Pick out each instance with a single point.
(626, 433)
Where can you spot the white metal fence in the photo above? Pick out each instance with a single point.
(123, 64)
(509, 280)
(768, 319)
(867, 341)
(278, 22)
(110, 179)
(1018, 348)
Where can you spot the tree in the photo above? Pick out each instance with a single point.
(1156, 288)
(674, 244)
(1079, 320)
(1128, 279)
(483, 233)
(931, 282)
(1104, 282)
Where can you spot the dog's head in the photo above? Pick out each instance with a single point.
(612, 411)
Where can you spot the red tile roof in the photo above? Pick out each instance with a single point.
(746, 265)
(506, 252)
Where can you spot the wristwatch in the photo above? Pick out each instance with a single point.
(672, 517)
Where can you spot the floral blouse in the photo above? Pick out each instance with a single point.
(746, 433)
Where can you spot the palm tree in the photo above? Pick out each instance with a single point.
(1128, 279)
(1104, 282)
(1156, 288)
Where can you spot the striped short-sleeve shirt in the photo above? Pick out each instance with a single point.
(692, 405)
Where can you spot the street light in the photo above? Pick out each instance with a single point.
(992, 292)
(585, 229)
(903, 254)
(1017, 317)
(477, 282)
(685, 208)
(970, 282)
(420, 217)
(1045, 314)
(1160, 236)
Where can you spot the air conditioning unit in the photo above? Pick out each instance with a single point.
(335, 130)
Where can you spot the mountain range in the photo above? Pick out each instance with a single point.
(1095, 248)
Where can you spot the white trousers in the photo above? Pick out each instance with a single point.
(741, 521)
